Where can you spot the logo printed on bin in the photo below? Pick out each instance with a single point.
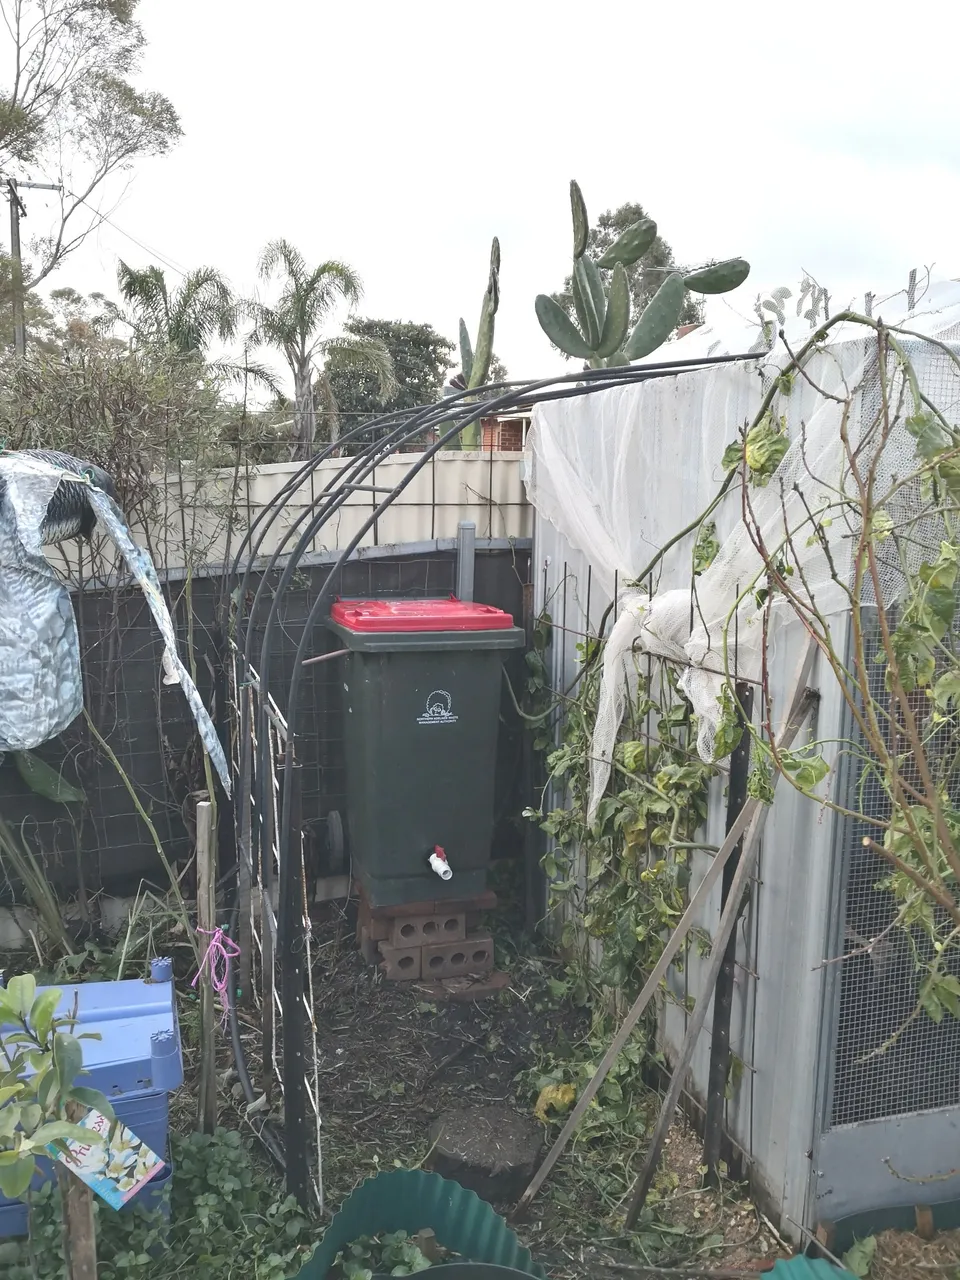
(439, 709)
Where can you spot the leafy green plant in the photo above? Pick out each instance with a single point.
(624, 1104)
(17, 857)
(636, 854)
(44, 781)
(859, 1257)
(602, 334)
(538, 700)
(761, 451)
(40, 1060)
(706, 548)
(226, 1219)
(894, 660)
(395, 1254)
(637, 848)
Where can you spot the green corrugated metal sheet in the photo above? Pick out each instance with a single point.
(411, 1200)
(471, 1271)
(801, 1268)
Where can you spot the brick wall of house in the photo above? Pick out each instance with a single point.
(503, 434)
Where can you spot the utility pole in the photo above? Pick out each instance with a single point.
(18, 211)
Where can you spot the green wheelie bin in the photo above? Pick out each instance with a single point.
(421, 706)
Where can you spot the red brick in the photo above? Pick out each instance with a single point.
(466, 989)
(458, 959)
(400, 964)
(369, 947)
(418, 931)
(379, 930)
(376, 927)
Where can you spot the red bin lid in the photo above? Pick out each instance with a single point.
(418, 615)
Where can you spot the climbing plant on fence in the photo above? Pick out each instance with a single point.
(887, 529)
(846, 481)
(637, 849)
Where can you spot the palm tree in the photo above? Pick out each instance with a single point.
(188, 319)
(293, 325)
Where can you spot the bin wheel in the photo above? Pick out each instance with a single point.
(335, 844)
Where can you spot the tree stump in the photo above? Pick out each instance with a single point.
(488, 1149)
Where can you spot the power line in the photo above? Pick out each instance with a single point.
(167, 262)
(56, 186)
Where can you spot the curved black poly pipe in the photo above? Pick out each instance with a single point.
(354, 472)
(401, 430)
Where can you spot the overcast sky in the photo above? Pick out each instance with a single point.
(401, 136)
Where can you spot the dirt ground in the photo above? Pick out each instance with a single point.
(393, 1057)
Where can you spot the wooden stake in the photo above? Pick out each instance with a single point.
(925, 1225)
(79, 1231)
(728, 923)
(79, 1225)
(206, 924)
(687, 920)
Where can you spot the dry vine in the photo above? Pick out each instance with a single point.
(892, 650)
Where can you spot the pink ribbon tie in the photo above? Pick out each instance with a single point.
(220, 951)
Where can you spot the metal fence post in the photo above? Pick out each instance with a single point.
(466, 558)
(291, 909)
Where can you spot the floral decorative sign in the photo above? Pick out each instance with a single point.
(116, 1167)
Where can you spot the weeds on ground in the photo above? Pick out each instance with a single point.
(581, 1206)
(228, 1221)
(394, 1254)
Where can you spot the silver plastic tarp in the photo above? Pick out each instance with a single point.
(41, 687)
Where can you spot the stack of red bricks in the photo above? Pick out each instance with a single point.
(427, 940)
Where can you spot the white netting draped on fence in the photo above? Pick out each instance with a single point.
(621, 472)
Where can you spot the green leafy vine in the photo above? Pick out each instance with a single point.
(637, 849)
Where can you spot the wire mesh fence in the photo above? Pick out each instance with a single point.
(258, 926)
(889, 1057)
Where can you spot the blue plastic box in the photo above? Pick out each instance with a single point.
(136, 1063)
(154, 1196)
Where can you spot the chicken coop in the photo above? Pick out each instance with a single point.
(843, 1097)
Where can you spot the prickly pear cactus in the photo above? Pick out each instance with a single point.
(602, 334)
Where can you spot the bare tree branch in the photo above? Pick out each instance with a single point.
(73, 110)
